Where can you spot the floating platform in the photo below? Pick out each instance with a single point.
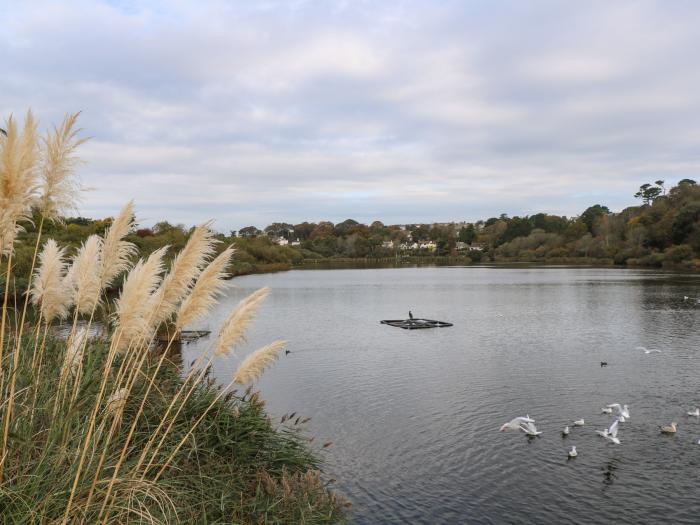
(415, 324)
(185, 336)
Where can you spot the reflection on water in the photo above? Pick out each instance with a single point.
(97, 330)
(414, 415)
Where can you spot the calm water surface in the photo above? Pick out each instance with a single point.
(414, 415)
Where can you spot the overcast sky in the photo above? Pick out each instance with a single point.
(258, 111)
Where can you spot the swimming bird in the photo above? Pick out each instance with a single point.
(514, 424)
(572, 452)
(565, 432)
(611, 433)
(695, 412)
(287, 352)
(602, 433)
(666, 429)
(622, 411)
(606, 410)
(578, 423)
(530, 429)
(603, 363)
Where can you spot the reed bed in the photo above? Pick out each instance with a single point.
(108, 429)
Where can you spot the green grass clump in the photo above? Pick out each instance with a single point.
(236, 467)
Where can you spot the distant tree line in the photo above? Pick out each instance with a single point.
(663, 230)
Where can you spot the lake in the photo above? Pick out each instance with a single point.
(414, 415)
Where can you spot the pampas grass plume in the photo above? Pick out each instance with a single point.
(204, 293)
(84, 275)
(254, 365)
(49, 292)
(185, 269)
(134, 303)
(18, 178)
(116, 401)
(74, 352)
(117, 252)
(234, 327)
(59, 189)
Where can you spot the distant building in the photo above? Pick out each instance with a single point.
(387, 245)
(281, 241)
(477, 247)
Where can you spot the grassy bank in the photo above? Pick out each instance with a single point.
(111, 430)
(236, 467)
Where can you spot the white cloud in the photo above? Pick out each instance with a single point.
(401, 111)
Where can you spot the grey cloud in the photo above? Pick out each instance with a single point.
(252, 112)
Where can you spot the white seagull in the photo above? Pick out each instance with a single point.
(606, 410)
(578, 423)
(611, 433)
(530, 429)
(572, 452)
(622, 411)
(514, 424)
(695, 412)
(649, 350)
(565, 432)
(602, 433)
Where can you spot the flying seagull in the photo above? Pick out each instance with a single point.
(514, 424)
(623, 411)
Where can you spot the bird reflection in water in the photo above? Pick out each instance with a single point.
(609, 475)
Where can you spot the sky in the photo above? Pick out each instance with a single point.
(401, 111)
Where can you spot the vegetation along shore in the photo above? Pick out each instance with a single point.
(662, 231)
(109, 429)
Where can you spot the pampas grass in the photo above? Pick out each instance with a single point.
(234, 327)
(84, 276)
(74, 352)
(116, 401)
(74, 421)
(255, 364)
(185, 269)
(116, 252)
(133, 308)
(18, 178)
(59, 188)
(49, 291)
(206, 290)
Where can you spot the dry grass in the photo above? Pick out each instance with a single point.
(209, 286)
(255, 364)
(236, 324)
(49, 292)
